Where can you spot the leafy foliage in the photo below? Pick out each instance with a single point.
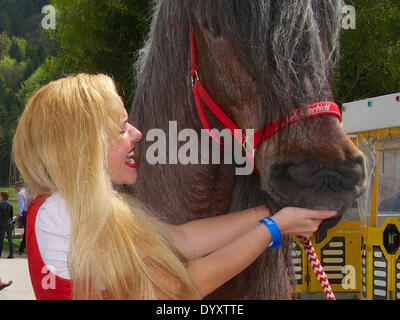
(371, 53)
(5, 44)
(101, 36)
(23, 48)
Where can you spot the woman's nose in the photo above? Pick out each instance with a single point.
(135, 134)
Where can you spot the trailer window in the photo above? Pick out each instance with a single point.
(367, 146)
(389, 182)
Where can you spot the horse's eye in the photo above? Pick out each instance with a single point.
(213, 28)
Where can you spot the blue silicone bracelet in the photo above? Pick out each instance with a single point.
(275, 232)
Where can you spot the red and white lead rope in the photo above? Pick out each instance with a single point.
(317, 267)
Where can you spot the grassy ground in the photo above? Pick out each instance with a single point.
(16, 243)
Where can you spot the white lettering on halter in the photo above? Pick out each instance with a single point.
(319, 108)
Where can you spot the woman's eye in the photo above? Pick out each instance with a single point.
(123, 127)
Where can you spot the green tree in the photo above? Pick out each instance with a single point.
(369, 64)
(18, 48)
(5, 45)
(101, 36)
(23, 48)
(5, 23)
(13, 73)
(44, 74)
(30, 85)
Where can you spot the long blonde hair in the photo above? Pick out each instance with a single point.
(61, 145)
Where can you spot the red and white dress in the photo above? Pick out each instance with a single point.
(47, 241)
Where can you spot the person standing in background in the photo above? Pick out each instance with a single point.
(21, 214)
(6, 224)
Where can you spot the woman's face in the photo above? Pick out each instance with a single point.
(121, 165)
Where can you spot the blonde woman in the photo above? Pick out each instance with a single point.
(87, 241)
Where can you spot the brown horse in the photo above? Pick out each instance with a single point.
(259, 60)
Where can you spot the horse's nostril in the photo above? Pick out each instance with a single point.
(352, 174)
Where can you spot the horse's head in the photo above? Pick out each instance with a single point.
(260, 60)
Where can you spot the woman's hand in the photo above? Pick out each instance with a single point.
(299, 221)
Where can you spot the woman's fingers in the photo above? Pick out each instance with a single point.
(299, 221)
(320, 214)
(317, 217)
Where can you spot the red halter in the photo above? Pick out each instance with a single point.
(200, 93)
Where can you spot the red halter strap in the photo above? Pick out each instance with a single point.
(200, 94)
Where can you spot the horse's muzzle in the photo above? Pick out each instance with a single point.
(314, 185)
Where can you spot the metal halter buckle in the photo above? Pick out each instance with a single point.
(195, 77)
(247, 147)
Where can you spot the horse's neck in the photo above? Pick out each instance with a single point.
(178, 194)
